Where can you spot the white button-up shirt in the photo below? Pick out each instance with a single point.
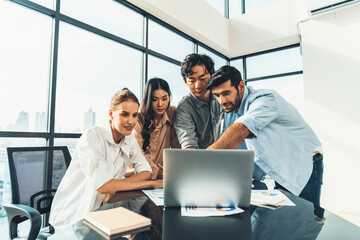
(97, 160)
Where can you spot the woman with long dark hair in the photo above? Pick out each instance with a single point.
(155, 128)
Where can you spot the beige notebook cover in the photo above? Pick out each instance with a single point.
(116, 220)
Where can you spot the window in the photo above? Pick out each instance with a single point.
(235, 8)
(167, 42)
(91, 69)
(280, 70)
(290, 87)
(24, 68)
(69, 142)
(109, 16)
(172, 74)
(46, 3)
(238, 64)
(219, 61)
(278, 62)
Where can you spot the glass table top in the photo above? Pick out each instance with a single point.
(287, 222)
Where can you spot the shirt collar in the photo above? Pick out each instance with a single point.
(165, 118)
(197, 101)
(214, 102)
(242, 105)
(124, 143)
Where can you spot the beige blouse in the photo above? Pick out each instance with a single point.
(162, 137)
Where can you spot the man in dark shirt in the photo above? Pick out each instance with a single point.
(198, 115)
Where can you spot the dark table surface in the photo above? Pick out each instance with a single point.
(254, 223)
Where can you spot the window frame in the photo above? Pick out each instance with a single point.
(50, 135)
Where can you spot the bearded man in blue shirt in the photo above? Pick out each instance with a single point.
(285, 146)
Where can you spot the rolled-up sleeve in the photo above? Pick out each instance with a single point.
(261, 111)
(185, 128)
(138, 161)
(92, 160)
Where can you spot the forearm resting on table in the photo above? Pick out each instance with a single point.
(137, 181)
(232, 137)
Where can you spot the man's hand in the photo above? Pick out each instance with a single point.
(107, 197)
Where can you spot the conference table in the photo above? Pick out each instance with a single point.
(287, 222)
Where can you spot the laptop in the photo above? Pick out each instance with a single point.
(207, 178)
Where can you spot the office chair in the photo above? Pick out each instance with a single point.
(35, 174)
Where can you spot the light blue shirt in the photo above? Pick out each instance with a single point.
(282, 141)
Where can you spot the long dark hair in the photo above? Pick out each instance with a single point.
(146, 112)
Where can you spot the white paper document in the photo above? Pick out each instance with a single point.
(156, 195)
(193, 211)
(271, 198)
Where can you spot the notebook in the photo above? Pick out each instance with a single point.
(116, 221)
(207, 178)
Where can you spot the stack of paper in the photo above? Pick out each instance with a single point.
(156, 195)
(269, 198)
(116, 221)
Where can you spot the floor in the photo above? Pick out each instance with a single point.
(351, 217)
(348, 231)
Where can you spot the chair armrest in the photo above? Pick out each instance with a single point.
(16, 214)
(40, 200)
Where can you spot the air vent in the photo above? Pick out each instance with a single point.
(320, 6)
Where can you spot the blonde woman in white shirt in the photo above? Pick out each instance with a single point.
(99, 163)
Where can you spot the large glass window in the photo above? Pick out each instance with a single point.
(167, 42)
(172, 74)
(235, 8)
(69, 142)
(290, 87)
(107, 15)
(219, 61)
(91, 69)
(288, 60)
(239, 66)
(25, 53)
(46, 3)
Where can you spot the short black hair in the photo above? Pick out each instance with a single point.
(224, 74)
(193, 60)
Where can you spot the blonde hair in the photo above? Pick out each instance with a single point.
(122, 96)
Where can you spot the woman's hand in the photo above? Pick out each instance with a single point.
(158, 184)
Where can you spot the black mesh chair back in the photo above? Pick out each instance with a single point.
(35, 174)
